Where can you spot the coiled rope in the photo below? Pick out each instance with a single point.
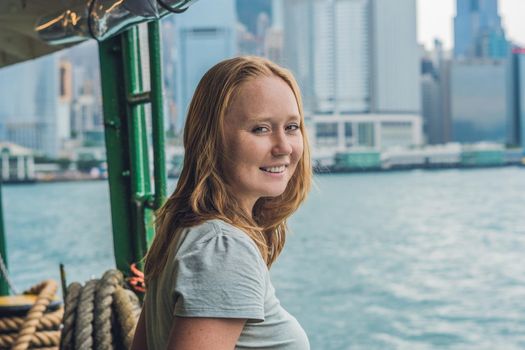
(37, 329)
(100, 315)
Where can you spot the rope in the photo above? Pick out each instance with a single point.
(101, 315)
(104, 298)
(5, 275)
(37, 329)
(46, 292)
(37, 339)
(49, 321)
(127, 316)
(73, 294)
(84, 327)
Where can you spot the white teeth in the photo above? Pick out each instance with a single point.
(275, 169)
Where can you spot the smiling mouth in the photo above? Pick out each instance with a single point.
(274, 169)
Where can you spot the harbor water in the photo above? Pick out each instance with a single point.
(398, 260)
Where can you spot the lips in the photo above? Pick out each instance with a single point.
(274, 169)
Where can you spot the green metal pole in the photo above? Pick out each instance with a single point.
(116, 133)
(132, 200)
(140, 175)
(4, 286)
(159, 158)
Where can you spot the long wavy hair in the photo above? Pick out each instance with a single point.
(202, 192)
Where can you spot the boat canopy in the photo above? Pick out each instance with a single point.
(33, 28)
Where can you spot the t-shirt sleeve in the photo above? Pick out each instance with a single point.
(223, 277)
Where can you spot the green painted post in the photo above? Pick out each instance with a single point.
(140, 175)
(132, 200)
(114, 99)
(159, 158)
(4, 287)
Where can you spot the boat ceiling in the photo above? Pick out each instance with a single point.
(67, 23)
(18, 39)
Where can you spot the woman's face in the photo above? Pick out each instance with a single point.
(263, 140)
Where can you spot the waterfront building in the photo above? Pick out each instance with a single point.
(478, 31)
(367, 130)
(205, 35)
(16, 163)
(479, 91)
(431, 156)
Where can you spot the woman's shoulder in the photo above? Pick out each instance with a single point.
(218, 233)
(214, 228)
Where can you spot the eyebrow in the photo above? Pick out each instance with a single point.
(270, 119)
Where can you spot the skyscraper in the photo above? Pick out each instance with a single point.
(357, 62)
(480, 86)
(478, 31)
(327, 47)
(34, 120)
(395, 57)
(205, 35)
(479, 93)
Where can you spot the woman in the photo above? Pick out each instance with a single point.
(246, 170)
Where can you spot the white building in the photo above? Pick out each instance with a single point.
(16, 163)
(368, 130)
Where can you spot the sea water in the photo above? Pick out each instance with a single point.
(398, 260)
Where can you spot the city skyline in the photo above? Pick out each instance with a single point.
(435, 20)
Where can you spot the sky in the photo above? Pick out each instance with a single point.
(435, 19)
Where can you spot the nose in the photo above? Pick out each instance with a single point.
(281, 144)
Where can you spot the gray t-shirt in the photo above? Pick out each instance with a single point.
(216, 270)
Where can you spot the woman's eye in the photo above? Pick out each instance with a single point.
(292, 127)
(260, 129)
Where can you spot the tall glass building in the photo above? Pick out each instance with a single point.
(31, 121)
(478, 31)
(327, 47)
(357, 62)
(479, 91)
(205, 35)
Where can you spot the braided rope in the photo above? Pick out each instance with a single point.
(89, 321)
(127, 317)
(37, 340)
(50, 321)
(72, 298)
(46, 291)
(104, 298)
(135, 303)
(84, 322)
